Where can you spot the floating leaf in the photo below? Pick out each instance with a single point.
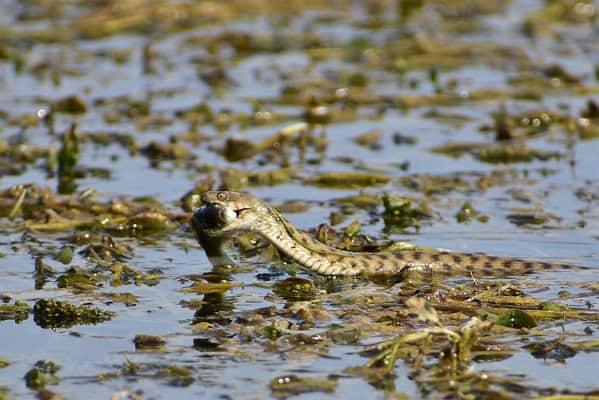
(516, 319)
(65, 255)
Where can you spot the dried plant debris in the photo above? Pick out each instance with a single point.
(276, 146)
(494, 154)
(43, 210)
(452, 350)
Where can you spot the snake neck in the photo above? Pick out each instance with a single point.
(305, 250)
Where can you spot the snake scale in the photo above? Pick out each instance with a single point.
(225, 213)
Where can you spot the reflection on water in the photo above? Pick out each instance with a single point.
(216, 308)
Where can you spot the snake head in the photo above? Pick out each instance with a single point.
(226, 212)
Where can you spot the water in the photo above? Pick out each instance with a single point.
(244, 370)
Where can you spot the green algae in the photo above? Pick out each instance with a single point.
(290, 385)
(348, 179)
(148, 342)
(369, 139)
(235, 179)
(515, 154)
(35, 379)
(76, 279)
(18, 311)
(67, 160)
(149, 222)
(401, 213)
(42, 375)
(128, 299)
(50, 313)
(296, 289)
(494, 154)
(70, 105)
(467, 213)
(551, 349)
(65, 255)
(210, 287)
(157, 152)
(176, 375)
(362, 200)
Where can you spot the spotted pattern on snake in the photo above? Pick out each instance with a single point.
(225, 213)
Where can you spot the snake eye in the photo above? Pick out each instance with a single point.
(222, 196)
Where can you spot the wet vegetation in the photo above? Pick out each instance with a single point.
(376, 125)
(59, 314)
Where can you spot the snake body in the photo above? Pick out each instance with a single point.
(225, 213)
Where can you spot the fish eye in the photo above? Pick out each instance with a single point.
(222, 196)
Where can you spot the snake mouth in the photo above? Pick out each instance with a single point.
(213, 219)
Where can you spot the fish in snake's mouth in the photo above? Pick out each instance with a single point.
(216, 218)
(211, 219)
